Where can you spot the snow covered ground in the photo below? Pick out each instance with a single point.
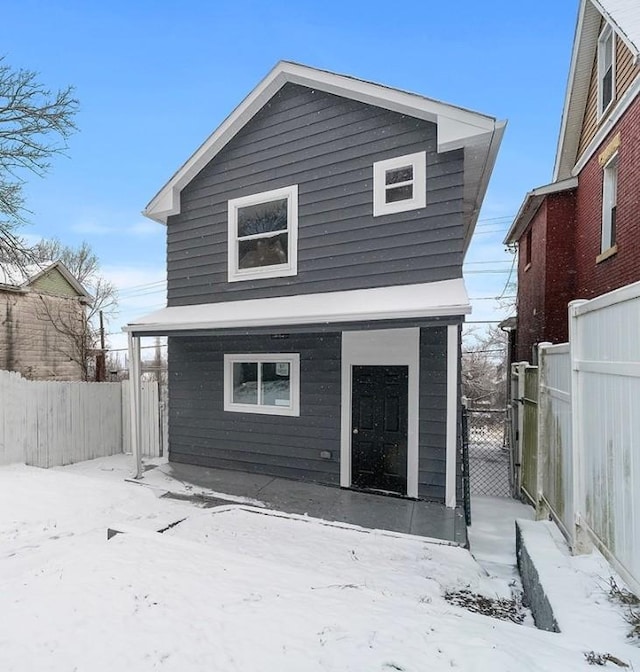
(236, 588)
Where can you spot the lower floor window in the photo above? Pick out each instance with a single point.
(262, 383)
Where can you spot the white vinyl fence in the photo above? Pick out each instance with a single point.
(588, 449)
(47, 424)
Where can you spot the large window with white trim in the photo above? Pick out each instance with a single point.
(262, 383)
(399, 184)
(263, 235)
(609, 203)
(606, 69)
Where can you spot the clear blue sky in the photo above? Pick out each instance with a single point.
(154, 79)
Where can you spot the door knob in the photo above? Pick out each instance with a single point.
(355, 431)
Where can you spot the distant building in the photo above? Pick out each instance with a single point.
(42, 321)
(579, 236)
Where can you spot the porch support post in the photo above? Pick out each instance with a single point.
(134, 401)
(452, 415)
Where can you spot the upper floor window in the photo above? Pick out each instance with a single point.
(399, 184)
(263, 235)
(528, 249)
(609, 203)
(606, 69)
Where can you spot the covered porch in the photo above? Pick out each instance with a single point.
(334, 504)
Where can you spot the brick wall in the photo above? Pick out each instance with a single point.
(623, 268)
(531, 284)
(32, 335)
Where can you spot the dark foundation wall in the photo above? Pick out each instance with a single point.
(202, 433)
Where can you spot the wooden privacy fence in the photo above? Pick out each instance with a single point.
(586, 469)
(47, 424)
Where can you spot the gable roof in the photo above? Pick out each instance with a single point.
(624, 17)
(458, 128)
(531, 204)
(21, 277)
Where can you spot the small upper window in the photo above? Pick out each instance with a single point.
(263, 234)
(609, 203)
(529, 249)
(399, 184)
(606, 69)
(262, 383)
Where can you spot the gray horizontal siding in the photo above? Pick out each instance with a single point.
(433, 413)
(202, 433)
(326, 145)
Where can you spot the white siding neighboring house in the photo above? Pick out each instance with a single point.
(42, 318)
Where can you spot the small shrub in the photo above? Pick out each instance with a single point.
(502, 608)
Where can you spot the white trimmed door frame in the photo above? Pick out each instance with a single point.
(381, 347)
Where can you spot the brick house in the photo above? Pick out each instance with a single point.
(42, 319)
(578, 237)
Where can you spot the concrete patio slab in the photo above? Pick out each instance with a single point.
(427, 519)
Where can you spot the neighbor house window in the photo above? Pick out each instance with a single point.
(263, 235)
(262, 383)
(399, 184)
(606, 69)
(528, 249)
(609, 203)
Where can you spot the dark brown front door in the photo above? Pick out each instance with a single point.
(379, 428)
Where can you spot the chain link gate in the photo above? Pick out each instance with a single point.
(487, 453)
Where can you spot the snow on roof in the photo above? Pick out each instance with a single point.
(19, 277)
(625, 15)
(434, 299)
(14, 275)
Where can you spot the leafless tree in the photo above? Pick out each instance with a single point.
(76, 338)
(484, 356)
(35, 124)
(82, 338)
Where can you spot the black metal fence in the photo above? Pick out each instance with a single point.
(488, 452)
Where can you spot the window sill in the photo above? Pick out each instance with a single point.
(603, 256)
(527, 267)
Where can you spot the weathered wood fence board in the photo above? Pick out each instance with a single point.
(47, 424)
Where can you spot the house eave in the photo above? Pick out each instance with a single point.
(402, 302)
(458, 128)
(582, 56)
(531, 204)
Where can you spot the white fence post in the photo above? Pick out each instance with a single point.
(581, 542)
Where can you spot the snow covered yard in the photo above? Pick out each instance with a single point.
(234, 588)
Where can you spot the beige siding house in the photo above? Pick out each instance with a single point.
(42, 321)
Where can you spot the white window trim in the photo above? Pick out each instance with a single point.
(609, 189)
(293, 359)
(276, 271)
(607, 32)
(419, 163)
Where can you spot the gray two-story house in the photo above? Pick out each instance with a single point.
(315, 296)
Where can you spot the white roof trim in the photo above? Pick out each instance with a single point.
(624, 18)
(457, 126)
(532, 201)
(434, 299)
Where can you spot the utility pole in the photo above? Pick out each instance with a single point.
(101, 364)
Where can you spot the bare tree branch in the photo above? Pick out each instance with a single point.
(35, 124)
